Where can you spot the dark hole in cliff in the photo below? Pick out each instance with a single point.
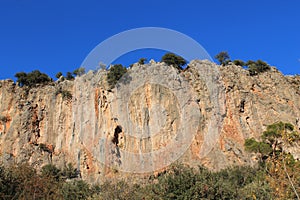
(242, 106)
(118, 130)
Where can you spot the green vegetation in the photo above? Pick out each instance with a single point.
(23, 182)
(277, 177)
(142, 61)
(114, 74)
(65, 94)
(239, 63)
(257, 67)
(58, 75)
(76, 190)
(51, 171)
(3, 118)
(182, 182)
(254, 67)
(223, 58)
(35, 77)
(69, 76)
(273, 139)
(32, 79)
(70, 172)
(282, 170)
(173, 60)
(79, 72)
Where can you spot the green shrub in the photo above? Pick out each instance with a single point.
(51, 171)
(257, 67)
(3, 118)
(223, 58)
(142, 61)
(176, 61)
(182, 182)
(76, 190)
(79, 72)
(65, 94)
(239, 63)
(69, 76)
(70, 172)
(58, 75)
(23, 182)
(114, 74)
(32, 79)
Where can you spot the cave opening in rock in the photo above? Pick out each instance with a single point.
(242, 106)
(118, 130)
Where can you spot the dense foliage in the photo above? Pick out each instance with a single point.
(179, 182)
(282, 170)
(142, 61)
(23, 182)
(58, 75)
(257, 67)
(172, 59)
(239, 63)
(114, 74)
(254, 67)
(31, 79)
(79, 71)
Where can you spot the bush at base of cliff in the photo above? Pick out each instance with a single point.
(181, 182)
(282, 170)
(23, 182)
(232, 183)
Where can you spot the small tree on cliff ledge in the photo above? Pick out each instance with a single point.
(171, 59)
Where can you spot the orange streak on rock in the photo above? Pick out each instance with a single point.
(96, 102)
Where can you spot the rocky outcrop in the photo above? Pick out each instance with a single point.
(153, 117)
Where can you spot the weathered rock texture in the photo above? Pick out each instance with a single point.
(94, 128)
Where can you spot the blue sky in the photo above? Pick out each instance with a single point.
(57, 35)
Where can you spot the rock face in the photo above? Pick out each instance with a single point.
(153, 117)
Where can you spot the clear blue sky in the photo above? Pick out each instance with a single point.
(57, 35)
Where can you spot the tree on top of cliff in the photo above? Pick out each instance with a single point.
(257, 67)
(171, 59)
(142, 61)
(115, 73)
(32, 79)
(79, 72)
(223, 58)
(239, 63)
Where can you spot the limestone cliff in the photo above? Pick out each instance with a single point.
(154, 116)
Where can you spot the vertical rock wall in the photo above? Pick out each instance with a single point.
(95, 129)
